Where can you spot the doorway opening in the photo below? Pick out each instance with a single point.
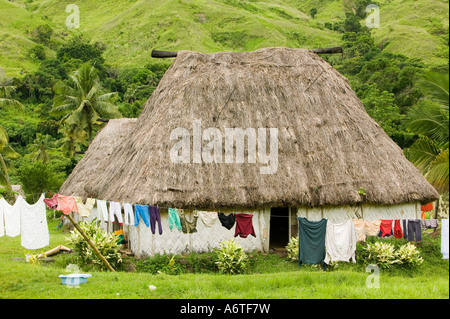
(279, 228)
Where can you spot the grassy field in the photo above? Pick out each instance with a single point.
(131, 29)
(271, 277)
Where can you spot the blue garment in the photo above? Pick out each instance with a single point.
(311, 241)
(141, 211)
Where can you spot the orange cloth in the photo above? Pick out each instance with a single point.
(426, 207)
(67, 204)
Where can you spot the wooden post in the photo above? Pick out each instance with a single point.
(90, 243)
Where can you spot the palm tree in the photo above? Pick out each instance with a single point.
(6, 152)
(5, 96)
(430, 120)
(39, 148)
(70, 144)
(82, 102)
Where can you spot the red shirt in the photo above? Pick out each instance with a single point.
(244, 225)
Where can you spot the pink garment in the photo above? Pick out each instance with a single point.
(67, 204)
(52, 203)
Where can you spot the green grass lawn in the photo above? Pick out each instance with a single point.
(271, 277)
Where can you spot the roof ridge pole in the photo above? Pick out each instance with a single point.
(173, 54)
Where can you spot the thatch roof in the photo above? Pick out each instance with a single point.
(97, 155)
(329, 147)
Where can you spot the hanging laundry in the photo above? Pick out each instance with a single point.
(426, 207)
(385, 228)
(115, 209)
(444, 238)
(128, 214)
(340, 242)
(11, 215)
(84, 210)
(429, 223)
(360, 229)
(398, 233)
(33, 224)
(67, 204)
(227, 221)
(366, 228)
(188, 226)
(425, 210)
(405, 228)
(311, 238)
(155, 216)
(174, 218)
(244, 225)
(372, 227)
(141, 211)
(208, 218)
(2, 223)
(52, 203)
(102, 209)
(414, 230)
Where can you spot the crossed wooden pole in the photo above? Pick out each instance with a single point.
(97, 252)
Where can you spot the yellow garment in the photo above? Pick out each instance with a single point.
(372, 228)
(365, 227)
(84, 210)
(359, 225)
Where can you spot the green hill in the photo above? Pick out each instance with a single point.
(130, 29)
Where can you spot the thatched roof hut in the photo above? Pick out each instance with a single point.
(332, 159)
(328, 146)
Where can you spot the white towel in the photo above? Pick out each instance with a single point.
(208, 218)
(340, 242)
(11, 215)
(128, 214)
(2, 223)
(84, 209)
(115, 208)
(444, 238)
(102, 210)
(33, 224)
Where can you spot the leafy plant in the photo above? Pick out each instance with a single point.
(386, 255)
(231, 258)
(362, 191)
(408, 255)
(292, 249)
(106, 243)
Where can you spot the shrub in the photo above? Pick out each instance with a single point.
(382, 254)
(107, 245)
(292, 249)
(231, 258)
(387, 254)
(408, 255)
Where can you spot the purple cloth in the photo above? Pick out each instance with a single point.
(155, 216)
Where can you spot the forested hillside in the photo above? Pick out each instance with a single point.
(41, 57)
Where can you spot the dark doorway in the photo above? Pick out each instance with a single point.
(279, 227)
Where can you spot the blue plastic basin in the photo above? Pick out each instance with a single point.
(74, 279)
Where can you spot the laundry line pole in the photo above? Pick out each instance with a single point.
(90, 243)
